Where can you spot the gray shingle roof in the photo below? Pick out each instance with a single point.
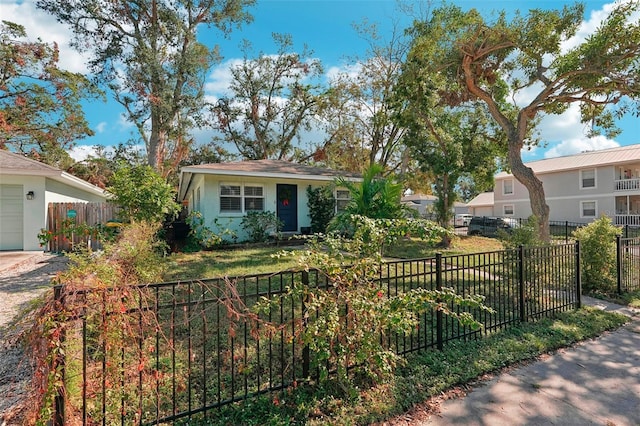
(19, 164)
(266, 167)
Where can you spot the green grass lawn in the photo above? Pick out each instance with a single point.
(258, 260)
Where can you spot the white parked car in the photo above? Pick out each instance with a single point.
(462, 220)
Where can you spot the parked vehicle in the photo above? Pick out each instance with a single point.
(462, 220)
(489, 226)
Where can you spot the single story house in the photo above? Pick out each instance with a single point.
(579, 188)
(481, 205)
(26, 188)
(424, 204)
(224, 192)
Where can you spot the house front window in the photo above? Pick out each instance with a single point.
(507, 187)
(588, 209)
(237, 198)
(253, 198)
(508, 209)
(343, 197)
(587, 178)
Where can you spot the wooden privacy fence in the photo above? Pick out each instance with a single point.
(64, 219)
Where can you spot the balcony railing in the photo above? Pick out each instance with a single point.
(627, 185)
(628, 219)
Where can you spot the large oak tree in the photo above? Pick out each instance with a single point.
(543, 65)
(273, 100)
(148, 53)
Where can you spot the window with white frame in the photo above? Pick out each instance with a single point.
(240, 198)
(343, 197)
(507, 187)
(231, 198)
(253, 198)
(507, 209)
(587, 178)
(197, 199)
(588, 209)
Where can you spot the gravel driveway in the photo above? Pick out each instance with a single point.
(19, 286)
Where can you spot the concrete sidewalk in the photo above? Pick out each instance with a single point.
(597, 382)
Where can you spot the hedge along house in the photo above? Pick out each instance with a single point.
(26, 189)
(225, 192)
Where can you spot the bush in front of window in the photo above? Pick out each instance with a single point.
(261, 225)
(205, 236)
(598, 255)
(321, 207)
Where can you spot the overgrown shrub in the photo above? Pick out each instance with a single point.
(322, 207)
(598, 255)
(344, 323)
(526, 235)
(142, 194)
(261, 225)
(206, 237)
(112, 274)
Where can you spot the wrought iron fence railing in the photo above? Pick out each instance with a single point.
(164, 352)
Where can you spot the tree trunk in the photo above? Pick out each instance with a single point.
(525, 176)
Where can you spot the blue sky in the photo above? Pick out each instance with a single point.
(325, 26)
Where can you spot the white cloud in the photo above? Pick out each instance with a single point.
(577, 145)
(101, 127)
(82, 152)
(220, 78)
(39, 24)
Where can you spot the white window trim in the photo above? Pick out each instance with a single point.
(504, 209)
(242, 197)
(582, 209)
(595, 178)
(504, 189)
(335, 197)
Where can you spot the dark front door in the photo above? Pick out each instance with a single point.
(287, 211)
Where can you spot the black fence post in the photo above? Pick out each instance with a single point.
(439, 324)
(619, 263)
(566, 231)
(305, 350)
(578, 277)
(58, 362)
(523, 316)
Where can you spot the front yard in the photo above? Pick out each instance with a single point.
(258, 260)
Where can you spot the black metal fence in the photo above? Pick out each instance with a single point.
(558, 229)
(176, 351)
(628, 264)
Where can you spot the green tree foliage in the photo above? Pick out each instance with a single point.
(449, 143)
(598, 255)
(376, 197)
(40, 112)
(142, 194)
(270, 103)
(358, 108)
(322, 207)
(148, 54)
(540, 55)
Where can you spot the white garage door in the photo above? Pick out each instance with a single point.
(11, 214)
